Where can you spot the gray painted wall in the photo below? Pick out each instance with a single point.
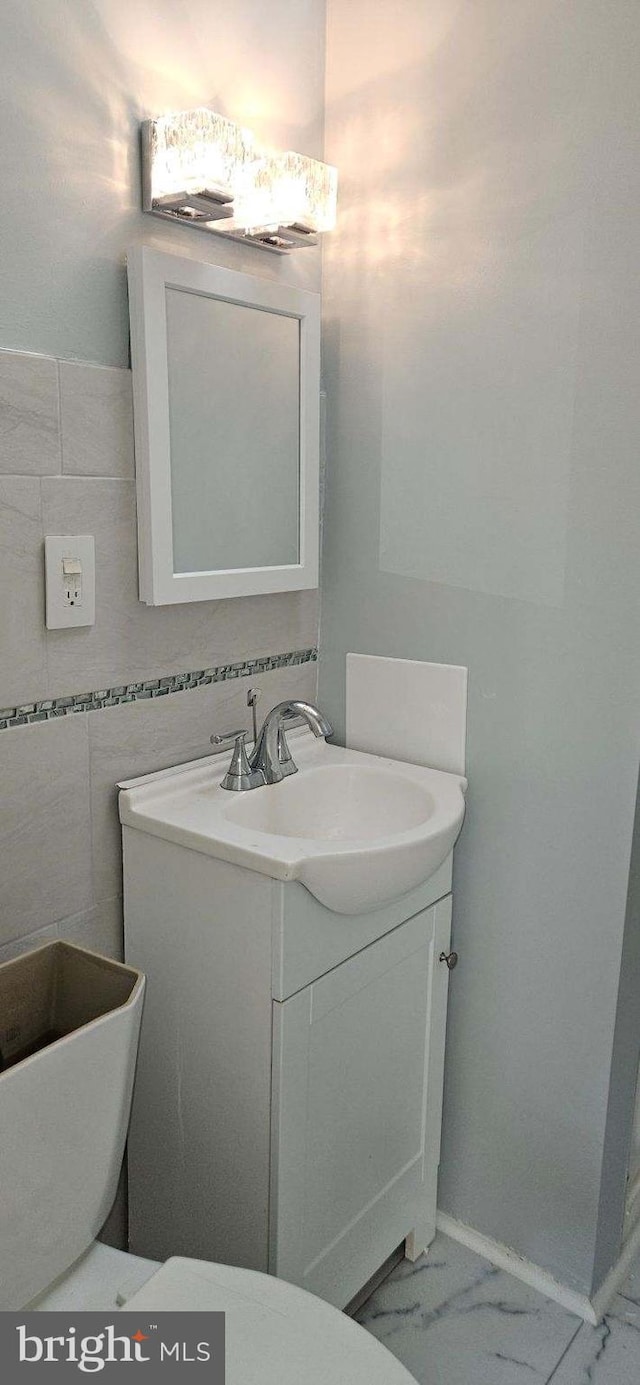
(77, 76)
(483, 508)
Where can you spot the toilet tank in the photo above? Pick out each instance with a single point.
(69, 1024)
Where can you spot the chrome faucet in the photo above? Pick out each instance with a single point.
(270, 760)
(271, 755)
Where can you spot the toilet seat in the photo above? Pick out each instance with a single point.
(276, 1334)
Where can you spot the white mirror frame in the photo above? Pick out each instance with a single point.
(150, 273)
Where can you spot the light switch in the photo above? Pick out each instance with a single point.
(70, 580)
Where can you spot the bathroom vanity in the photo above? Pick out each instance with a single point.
(287, 1106)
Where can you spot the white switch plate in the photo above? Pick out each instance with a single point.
(70, 601)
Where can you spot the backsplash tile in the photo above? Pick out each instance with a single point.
(82, 708)
(96, 410)
(145, 736)
(59, 827)
(408, 710)
(100, 928)
(45, 829)
(23, 657)
(28, 943)
(29, 415)
(23, 714)
(131, 642)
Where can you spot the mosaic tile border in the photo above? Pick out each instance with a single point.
(50, 708)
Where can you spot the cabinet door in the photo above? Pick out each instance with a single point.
(357, 1104)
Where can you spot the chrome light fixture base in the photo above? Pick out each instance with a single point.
(182, 205)
(202, 170)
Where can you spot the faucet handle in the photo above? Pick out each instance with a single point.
(239, 775)
(229, 736)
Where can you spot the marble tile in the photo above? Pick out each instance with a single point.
(604, 1355)
(96, 411)
(29, 415)
(139, 737)
(99, 928)
(453, 1319)
(45, 834)
(133, 642)
(23, 650)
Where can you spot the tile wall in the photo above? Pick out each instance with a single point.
(142, 689)
(66, 466)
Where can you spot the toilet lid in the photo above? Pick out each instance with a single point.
(276, 1334)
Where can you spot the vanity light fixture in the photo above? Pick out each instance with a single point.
(190, 163)
(206, 171)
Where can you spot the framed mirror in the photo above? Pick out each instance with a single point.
(226, 381)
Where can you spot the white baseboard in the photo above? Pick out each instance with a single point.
(632, 1206)
(604, 1295)
(506, 1259)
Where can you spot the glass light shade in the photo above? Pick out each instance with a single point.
(306, 191)
(197, 152)
(194, 158)
(254, 205)
(286, 190)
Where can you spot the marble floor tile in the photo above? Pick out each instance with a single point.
(454, 1319)
(604, 1355)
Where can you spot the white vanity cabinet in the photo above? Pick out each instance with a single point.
(287, 1105)
(357, 1080)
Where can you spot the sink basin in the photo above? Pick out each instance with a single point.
(337, 803)
(357, 830)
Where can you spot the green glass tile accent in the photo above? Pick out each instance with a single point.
(50, 708)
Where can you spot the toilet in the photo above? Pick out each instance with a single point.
(69, 1026)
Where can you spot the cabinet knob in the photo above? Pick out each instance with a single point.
(451, 959)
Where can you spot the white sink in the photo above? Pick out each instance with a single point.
(337, 803)
(357, 830)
